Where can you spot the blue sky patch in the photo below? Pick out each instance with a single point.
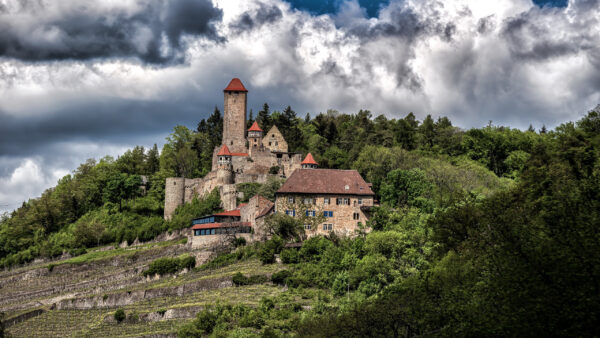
(372, 6)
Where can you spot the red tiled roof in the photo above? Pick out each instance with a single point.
(235, 86)
(255, 127)
(224, 151)
(239, 154)
(326, 181)
(220, 225)
(235, 212)
(309, 160)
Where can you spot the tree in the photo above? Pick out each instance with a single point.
(264, 118)
(406, 187)
(152, 161)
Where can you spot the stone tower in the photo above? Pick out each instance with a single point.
(224, 167)
(174, 195)
(234, 116)
(255, 135)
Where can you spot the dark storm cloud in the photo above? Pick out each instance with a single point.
(404, 23)
(36, 31)
(532, 39)
(264, 14)
(95, 120)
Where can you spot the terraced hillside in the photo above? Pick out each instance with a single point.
(78, 297)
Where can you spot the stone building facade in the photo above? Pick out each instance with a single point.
(327, 200)
(245, 164)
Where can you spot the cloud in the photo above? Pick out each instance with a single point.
(151, 30)
(261, 14)
(68, 93)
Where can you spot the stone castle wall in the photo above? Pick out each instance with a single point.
(234, 121)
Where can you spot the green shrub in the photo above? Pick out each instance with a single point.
(239, 279)
(119, 315)
(161, 312)
(167, 265)
(239, 241)
(280, 277)
(289, 256)
(267, 255)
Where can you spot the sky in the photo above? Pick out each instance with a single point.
(85, 79)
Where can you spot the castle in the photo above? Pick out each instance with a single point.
(244, 156)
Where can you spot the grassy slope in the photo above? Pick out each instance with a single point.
(99, 322)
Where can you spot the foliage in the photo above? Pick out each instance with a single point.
(249, 190)
(185, 213)
(119, 315)
(239, 279)
(167, 265)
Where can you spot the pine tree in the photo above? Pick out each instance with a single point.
(152, 160)
(264, 118)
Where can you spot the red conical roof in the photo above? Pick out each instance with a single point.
(255, 127)
(235, 86)
(309, 160)
(224, 151)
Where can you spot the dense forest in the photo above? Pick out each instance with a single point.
(489, 231)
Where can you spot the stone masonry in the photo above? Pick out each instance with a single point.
(246, 165)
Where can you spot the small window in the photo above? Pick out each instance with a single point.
(346, 201)
(328, 213)
(212, 231)
(327, 227)
(273, 135)
(269, 143)
(310, 213)
(231, 142)
(356, 216)
(360, 201)
(291, 199)
(326, 201)
(308, 201)
(338, 201)
(307, 226)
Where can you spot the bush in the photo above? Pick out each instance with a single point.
(281, 277)
(239, 279)
(119, 315)
(239, 241)
(168, 265)
(290, 256)
(267, 255)
(274, 170)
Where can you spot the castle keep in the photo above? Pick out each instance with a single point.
(244, 156)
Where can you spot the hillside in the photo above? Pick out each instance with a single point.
(489, 231)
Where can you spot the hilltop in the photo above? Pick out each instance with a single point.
(479, 232)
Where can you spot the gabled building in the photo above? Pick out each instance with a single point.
(340, 198)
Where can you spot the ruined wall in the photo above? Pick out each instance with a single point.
(234, 121)
(288, 163)
(274, 141)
